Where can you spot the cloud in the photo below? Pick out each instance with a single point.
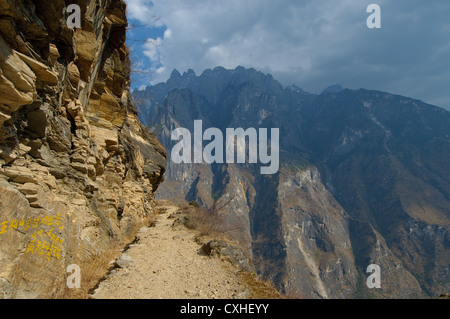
(139, 10)
(151, 50)
(312, 43)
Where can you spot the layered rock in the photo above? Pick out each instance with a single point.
(78, 170)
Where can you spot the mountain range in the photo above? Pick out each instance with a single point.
(364, 179)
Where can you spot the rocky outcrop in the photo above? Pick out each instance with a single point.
(316, 236)
(78, 170)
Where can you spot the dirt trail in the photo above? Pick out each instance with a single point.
(165, 264)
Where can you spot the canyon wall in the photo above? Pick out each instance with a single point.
(78, 170)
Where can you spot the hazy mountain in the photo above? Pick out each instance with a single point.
(336, 88)
(364, 179)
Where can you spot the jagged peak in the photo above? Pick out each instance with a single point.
(188, 73)
(175, 74)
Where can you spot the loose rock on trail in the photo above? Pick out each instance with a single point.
(166, 263)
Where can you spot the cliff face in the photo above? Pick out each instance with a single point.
(78, 170)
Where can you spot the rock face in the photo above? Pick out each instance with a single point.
(78, 170)
(364, 179)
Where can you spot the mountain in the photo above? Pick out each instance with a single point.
(78, 171)
(336, 88)
(364, 179)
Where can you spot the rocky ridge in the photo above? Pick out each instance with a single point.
(78, 170)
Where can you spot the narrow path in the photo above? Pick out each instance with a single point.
(165, 264)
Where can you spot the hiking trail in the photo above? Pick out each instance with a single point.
(165, 263)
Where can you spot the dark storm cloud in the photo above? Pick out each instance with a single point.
(310, 43)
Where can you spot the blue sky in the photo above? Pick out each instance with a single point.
(310, 43)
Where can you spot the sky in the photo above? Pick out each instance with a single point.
(310, 43)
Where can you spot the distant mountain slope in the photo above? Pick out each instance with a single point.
(364, 178)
